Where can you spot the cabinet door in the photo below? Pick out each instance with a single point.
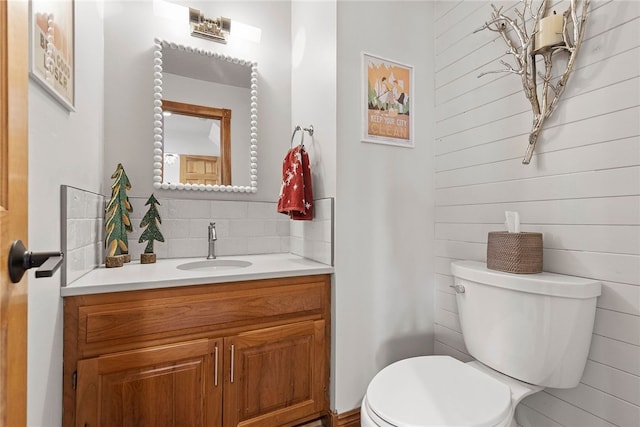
(274, 375)
(166, 386)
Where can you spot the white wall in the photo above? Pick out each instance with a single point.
(313, 102)
(64, 148)
(313, 87)
(581, 190)
(384, 285)
(131, 26)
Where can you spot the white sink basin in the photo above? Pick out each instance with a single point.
(214, 265)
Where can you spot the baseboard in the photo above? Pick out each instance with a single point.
(346, 419)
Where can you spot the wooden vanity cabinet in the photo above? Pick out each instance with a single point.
(252, 353)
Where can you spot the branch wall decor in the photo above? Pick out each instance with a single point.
(548, 35)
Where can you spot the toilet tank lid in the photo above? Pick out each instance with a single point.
(543, 283)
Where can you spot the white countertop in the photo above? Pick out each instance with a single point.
(164, 273)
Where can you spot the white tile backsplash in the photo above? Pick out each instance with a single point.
(263, 210)
(242, 228)
(263, 245)
(188, 209)
(230, 210)
(232, 246)
(82, 217)
(185, 248)
(314, 239)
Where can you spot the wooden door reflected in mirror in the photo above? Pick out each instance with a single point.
(200, 170)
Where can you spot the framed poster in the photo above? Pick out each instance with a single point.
(387, 101)
(52, 48)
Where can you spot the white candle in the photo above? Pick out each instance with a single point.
(549, 32)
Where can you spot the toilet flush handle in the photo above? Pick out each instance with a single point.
(458, 288)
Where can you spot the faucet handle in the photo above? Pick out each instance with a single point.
(213, 235)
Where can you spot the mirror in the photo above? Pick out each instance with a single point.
(205, 120)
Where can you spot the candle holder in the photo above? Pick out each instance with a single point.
(548, 33)
(521, 43)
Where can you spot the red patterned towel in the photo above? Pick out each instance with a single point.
(296, 192)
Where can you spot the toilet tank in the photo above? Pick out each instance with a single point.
(534, 327)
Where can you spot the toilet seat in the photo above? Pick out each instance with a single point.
(437, 391)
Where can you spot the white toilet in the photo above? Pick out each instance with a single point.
(526, 332)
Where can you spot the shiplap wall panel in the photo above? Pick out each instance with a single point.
(443, 282)
(446, 30)
(529, 417)
(480, 60)
(470, 90)
(613, 381)
(447, 301)
(495, 90)
(612, 126)
(460, 40)
(443, 8)
(591, 184)
(605, 210)
(460, 37)
(607, 155)
(600, 404)
(464, 250)
(563, 412)
(619, 239)
(480, 115)
(486, 108)
(451, 338)
(502, 100)
(601, 40)
(442, 265)
(614, 353)
(619, 326)
(602, 266)
(448, 320)
(618, 96)
(620, 297)
(582, 190)
(444, 349)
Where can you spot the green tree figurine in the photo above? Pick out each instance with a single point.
(118, 223)
(151, 221)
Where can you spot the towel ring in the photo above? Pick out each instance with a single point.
(298, 128)
(309, 130)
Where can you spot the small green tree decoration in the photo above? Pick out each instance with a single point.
(151, 221)
(118, 223)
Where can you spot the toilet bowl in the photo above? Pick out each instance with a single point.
(527, 332)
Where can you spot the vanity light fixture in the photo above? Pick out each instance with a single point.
(211, 29)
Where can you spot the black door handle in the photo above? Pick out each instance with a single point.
(20, 260)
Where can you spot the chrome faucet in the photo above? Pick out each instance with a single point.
(213, 236)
